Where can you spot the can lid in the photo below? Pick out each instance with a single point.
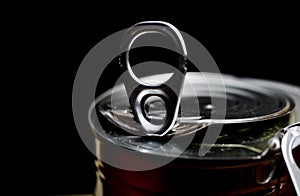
(255, 110)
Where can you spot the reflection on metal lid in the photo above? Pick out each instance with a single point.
(255, 110)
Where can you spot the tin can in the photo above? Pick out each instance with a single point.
(240, 162)
(196, 133)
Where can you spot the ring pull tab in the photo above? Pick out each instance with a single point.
(166, 94)
(290, 140)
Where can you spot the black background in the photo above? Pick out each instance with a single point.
(251, 40)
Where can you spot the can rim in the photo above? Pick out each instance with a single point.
(288, 110)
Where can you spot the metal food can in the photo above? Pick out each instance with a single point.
(239, 153)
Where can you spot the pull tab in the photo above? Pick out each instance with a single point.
(290, 140)
(167, 94)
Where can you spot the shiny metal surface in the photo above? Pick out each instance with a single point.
(252, 162)
(273, 104)
(169, 92)
(291, 140)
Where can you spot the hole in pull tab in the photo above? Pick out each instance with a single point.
(144, 71)
(151, 54)
(155, 110)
